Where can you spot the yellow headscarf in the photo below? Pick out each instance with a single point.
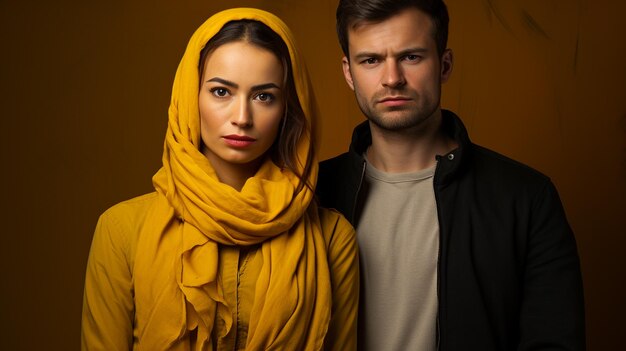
(176, 271)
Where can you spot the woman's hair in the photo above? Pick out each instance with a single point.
(294, 123)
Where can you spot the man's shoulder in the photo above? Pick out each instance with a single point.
(491, 158)
(338, 169)
(337, 161)
(498, 169)
(338, 182)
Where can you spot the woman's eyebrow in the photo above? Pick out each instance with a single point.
(265, 86)
(235, 85)
(223, 81)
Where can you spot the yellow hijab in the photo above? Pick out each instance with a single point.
(175, 272)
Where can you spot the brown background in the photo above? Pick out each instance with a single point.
(85, 90)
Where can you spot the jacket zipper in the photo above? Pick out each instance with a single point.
(438, 255)
(358, 190)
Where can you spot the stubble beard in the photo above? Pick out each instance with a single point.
(395, 119)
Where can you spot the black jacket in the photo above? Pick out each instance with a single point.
(509, 274)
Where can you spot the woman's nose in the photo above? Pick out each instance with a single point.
(242, 116)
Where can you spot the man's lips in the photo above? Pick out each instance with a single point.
(238, 140)
(394, 100)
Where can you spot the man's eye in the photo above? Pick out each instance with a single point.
(412, 58)
(370, 61)
(219, 92)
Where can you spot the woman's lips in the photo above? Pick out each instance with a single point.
(239, 141)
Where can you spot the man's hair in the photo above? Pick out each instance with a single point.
(353, 12)
(294, 125)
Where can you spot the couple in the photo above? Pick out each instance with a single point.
(460, 248)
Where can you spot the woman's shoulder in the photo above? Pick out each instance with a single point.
(119, 227)
(124, 219)
(131, 210)
(330, 216)
(336, 227)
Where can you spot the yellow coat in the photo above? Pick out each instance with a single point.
(110, 319)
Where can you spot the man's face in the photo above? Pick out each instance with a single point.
(395, 70)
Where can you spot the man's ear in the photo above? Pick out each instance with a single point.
(447, 63)
(346, 72)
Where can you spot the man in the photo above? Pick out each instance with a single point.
(461, 248)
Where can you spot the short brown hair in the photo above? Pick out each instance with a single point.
(351, 12)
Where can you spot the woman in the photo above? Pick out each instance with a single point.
(230, 252)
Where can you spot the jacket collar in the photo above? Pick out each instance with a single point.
(449, 164)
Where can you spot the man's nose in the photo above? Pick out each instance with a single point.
(393, 75)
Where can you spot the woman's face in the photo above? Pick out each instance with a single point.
(241, 103)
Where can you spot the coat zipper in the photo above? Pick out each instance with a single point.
(358, 190)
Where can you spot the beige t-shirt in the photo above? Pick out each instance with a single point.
(398, 235)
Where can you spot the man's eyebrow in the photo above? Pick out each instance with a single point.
(409, 51)
(366, 54)
(224, 81)
(412, 51)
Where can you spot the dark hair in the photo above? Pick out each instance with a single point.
(352, 12)
(294, 124)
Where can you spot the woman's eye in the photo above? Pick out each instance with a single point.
(265, 97)
(219, 92)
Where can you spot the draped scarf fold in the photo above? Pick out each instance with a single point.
(292, 297)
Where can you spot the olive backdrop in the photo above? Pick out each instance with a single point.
(85, 88)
